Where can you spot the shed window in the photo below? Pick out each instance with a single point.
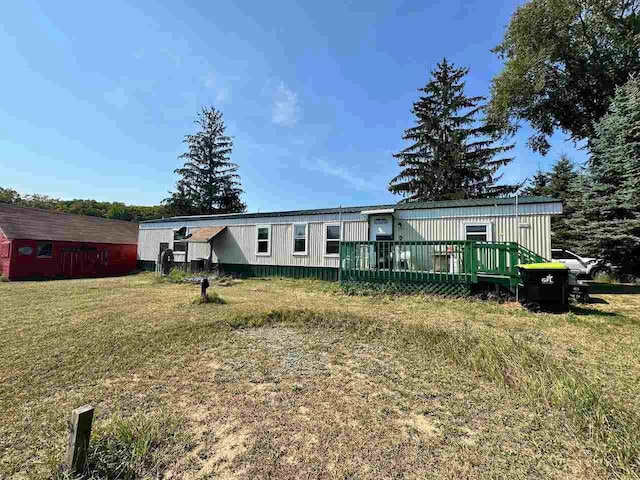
(478, 232)
(181, 234)
(332, 240)
(300, 239)
(45, 250)
(263, 240)
(179, 246)
(25, 251)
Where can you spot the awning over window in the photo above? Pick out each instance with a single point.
(379, 211)
(204, 235)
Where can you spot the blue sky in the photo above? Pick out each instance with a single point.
(96, 97)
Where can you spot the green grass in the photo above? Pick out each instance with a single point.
(212, 297)
(127, 448)
(388, 386)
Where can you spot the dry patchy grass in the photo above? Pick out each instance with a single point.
(292, 379)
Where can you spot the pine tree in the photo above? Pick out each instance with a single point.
(180, 202)
(562, 175)
(562, 185)
(209, 181)
(538, 185)
(452, 152)
(608, 213)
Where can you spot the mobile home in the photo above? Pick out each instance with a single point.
(411, 241)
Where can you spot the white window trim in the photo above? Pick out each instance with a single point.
(489, 226)
(306, 239)
(324, 239)
(268, 252)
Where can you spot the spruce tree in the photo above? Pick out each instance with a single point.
(562, 183)
(181, 202)
(608, 210)
(538, 185)
(453, 153)
(562, 175)
(209, 181)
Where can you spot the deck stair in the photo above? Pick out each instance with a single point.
(451, 267)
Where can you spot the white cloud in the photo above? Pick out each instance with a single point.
(210, 80)
(285, 107)
(350, 178)
(222, 94)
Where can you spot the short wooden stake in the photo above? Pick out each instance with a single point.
(203, 289)
(79, 434)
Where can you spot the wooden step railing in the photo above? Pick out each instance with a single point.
(453, 261)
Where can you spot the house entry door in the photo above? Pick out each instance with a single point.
(381, 229)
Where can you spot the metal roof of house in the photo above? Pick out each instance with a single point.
(35, 224)
(475, 202)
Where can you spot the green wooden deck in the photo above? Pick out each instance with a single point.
(445, 266)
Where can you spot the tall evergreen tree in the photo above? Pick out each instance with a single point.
(563, 180)
(563, 174)
(558, 183)
(608, 211)
(209, 181)
(538, 185)
(452, 152)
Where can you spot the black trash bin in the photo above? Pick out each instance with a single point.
(545, 286)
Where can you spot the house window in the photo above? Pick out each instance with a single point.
(478, 232)
(45, 250)
(25, 250)
(332, 240)
(263, 240)
(163, 246)
(300, 238)
(179, 246)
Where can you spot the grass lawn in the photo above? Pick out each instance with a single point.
(293, 379)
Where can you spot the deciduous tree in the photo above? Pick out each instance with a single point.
(563, 62)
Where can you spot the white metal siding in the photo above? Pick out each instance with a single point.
(237, 243)
(149, 242)
(536, 237)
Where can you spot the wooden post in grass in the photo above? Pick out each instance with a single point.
(203, 289)
(79, 433)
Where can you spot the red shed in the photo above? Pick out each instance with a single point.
(43, 244)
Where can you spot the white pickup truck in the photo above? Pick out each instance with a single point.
(582, 266)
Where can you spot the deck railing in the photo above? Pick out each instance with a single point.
(431, 261)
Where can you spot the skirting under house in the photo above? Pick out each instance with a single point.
(445, 246)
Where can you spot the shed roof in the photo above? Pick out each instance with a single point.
(475, 202)
(35, 224)
(205, 234)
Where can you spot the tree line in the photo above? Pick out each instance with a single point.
(567, 65)
(93, 208)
